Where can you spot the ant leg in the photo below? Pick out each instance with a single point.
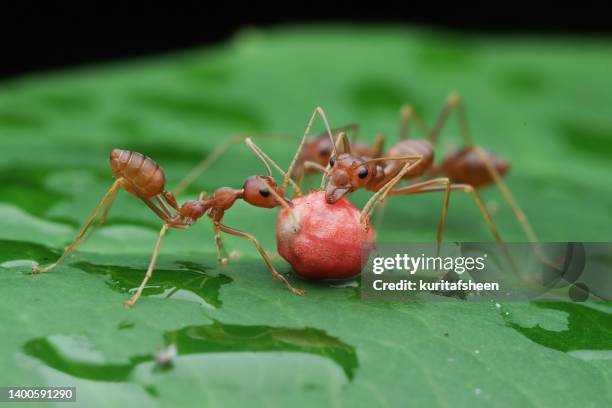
(301, 178)
(380, 215)
(417, 187)
(206, 163)
(110, 193)
(346, 143)
(109, 204)
(503, 187)
(483, 210)
(134, 298)
(155, 209)
(466, 188)
(378, 145)
(265, 159)
(102, 220)
(379, 196)
(163, 206)
(169, 197)
(407, 113)
(263, 254)
(318, 111)
(453, 101)
(220, 249)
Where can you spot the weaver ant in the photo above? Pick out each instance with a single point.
(142, 177)
(361, 166)
(467, 169)
(317, 150)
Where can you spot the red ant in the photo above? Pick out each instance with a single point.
(142, 177)
(466, 170)
(318, 149)
(347, 172)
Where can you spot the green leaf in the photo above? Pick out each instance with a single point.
(241, 338)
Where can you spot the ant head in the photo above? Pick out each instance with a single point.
(262, 191)
(318, 150)
(347, 173)
(192, 210)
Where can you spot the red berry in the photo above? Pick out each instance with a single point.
(323, 241)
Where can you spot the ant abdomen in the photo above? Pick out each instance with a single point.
(468, 167)
(143, 175)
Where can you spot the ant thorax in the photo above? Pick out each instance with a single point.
(193, 209)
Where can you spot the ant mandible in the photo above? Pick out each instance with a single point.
(142, 177)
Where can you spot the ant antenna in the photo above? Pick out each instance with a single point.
(346, 144)
(284, 203)
(318, 111)
(281, 200)
(398, 158)
(259, 154)
(206, 163)
(266, 159)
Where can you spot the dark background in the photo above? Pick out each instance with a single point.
(34, 39)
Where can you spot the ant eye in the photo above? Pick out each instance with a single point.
(363, 172)
(324, 151)
(264, 192)
(332, 161)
